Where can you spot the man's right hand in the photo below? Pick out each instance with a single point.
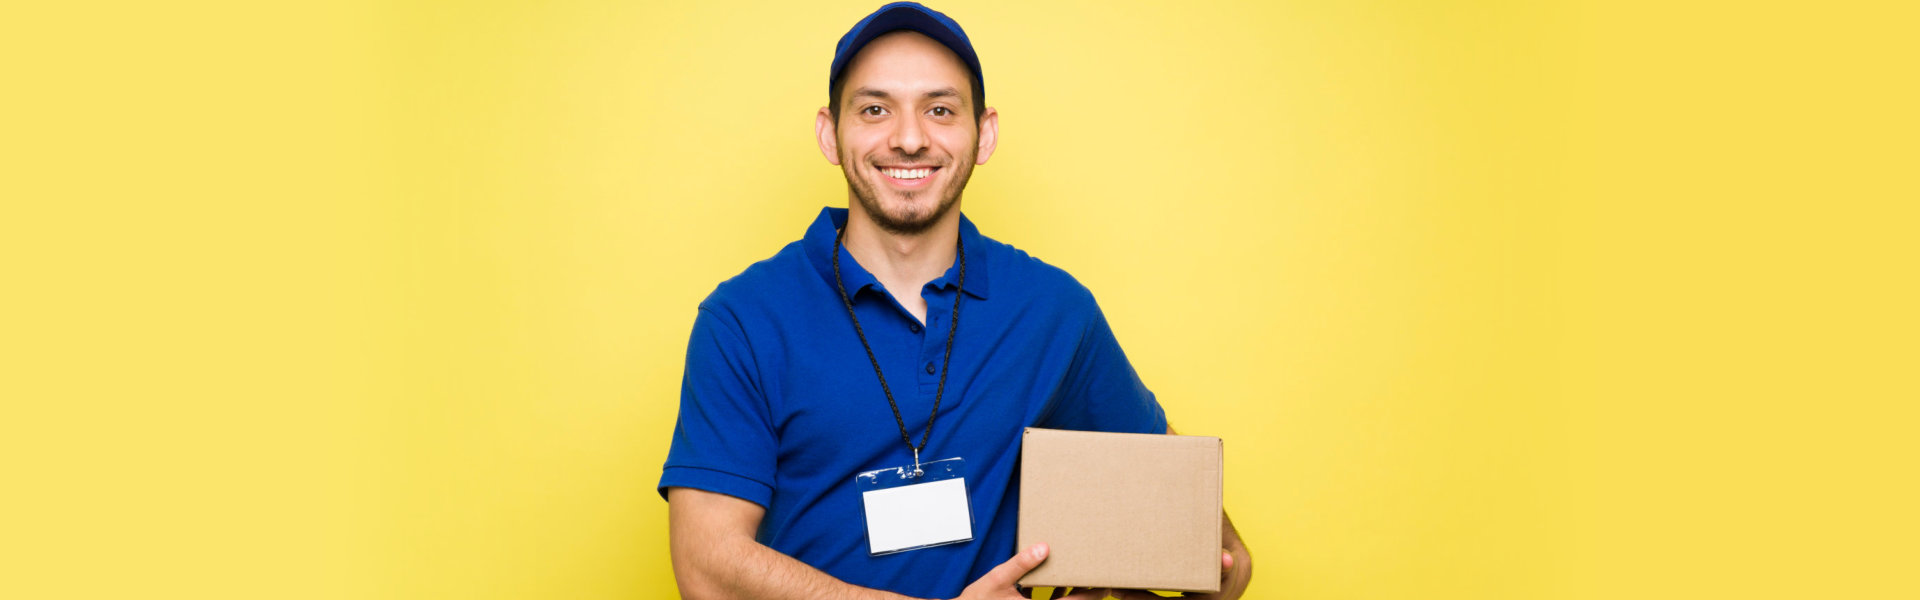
(1003, 582)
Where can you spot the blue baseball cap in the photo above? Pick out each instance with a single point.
(907, 16)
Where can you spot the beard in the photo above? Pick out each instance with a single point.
(907, 219)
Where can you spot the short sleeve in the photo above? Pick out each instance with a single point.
(1102, 392)
(723, 441)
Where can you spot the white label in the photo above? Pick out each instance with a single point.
(918, 515)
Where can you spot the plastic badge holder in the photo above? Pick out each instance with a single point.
(905, 510)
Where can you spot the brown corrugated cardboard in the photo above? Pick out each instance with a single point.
(1122, 510)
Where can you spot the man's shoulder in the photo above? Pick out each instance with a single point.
(762, 285)
(1026, 276)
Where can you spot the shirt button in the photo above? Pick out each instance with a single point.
(913, 327)
(929, 368)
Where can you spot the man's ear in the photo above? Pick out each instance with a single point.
(989, 135)
(824, 133)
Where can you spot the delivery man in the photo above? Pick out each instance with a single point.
(892, 340)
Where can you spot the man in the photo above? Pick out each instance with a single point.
(820, 363)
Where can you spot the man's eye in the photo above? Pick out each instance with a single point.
(874, 111)
(941, 111)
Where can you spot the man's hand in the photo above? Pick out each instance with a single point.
(1235, 573)
(1003, 582)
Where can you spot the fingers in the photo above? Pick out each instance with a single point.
(1085, 594)
(1226, 560)
(1008, 573)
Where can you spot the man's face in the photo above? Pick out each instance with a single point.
(906, 137)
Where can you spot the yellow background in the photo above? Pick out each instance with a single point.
(1489, 299)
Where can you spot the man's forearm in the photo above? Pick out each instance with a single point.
(736, 567)
(1229, 536)
(1242, 572)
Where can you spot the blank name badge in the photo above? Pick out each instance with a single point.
(910, 509)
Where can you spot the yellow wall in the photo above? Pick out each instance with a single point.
(1489, 299)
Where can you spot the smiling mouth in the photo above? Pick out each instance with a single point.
(908, 174)
(908, 177)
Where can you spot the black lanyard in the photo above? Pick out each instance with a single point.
(954, 325)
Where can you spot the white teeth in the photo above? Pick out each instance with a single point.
(907, 173)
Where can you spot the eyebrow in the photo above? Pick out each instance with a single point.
(882, 94)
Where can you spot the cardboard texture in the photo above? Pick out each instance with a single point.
(1121, 510)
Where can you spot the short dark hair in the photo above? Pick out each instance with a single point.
(973, 81)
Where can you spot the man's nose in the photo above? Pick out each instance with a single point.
(909, 137)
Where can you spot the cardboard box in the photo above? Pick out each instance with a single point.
(1121, 510)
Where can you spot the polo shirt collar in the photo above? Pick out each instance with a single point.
(819, 245)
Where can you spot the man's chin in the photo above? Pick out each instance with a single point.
(906, 224)
(907, 220)
(902, 212)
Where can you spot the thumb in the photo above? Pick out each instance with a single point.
(1009, 573)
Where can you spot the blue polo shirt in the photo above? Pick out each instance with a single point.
(780, 406)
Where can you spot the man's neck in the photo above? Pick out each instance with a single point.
(904, 263)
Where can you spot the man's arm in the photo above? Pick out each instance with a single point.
(715, 556)
(1237, 566)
